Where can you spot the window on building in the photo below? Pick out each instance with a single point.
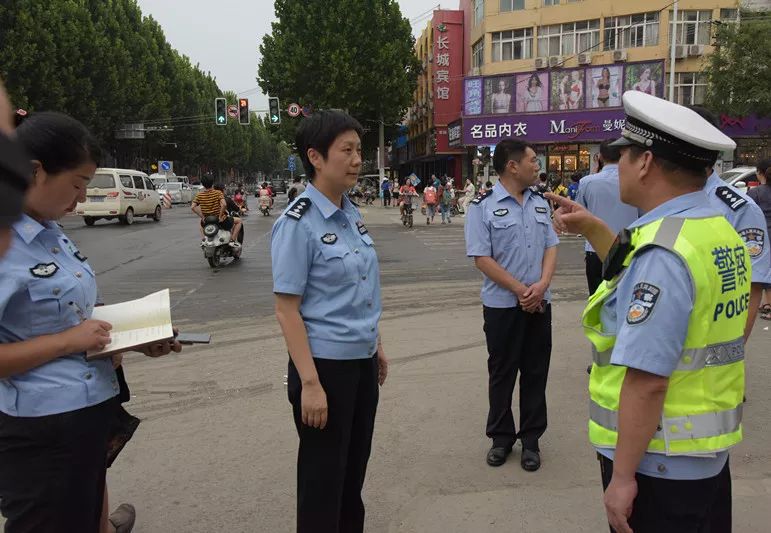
(631, 31)
(512, 5)
(690, 88)
(567, 39)
(478, 53)
(729, 15)
(513, 44)
(479, 11)
(692, 27)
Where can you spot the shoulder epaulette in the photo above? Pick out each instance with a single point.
(481, 197)
(730, 198)
(536, 192)
(299, 208)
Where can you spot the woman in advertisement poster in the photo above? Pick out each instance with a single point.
(532, 98)
(576, 90)
(602, 88)
(646, 84)
(564, 92)
(501, 99)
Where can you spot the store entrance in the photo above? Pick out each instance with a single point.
(566, 159)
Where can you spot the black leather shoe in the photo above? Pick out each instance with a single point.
(531, 460)
(497, 455)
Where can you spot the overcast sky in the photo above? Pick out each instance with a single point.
(223, 35)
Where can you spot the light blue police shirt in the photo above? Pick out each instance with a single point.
(328, 257)
(48, 287)
(748, 220)
(515, 236)
(599, 193)
(659, 354)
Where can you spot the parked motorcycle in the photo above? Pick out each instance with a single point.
(216, 245)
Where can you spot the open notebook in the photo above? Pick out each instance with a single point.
(135, 324)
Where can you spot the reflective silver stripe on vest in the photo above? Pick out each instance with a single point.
(720, 354)
(668, 232)
(677, 428)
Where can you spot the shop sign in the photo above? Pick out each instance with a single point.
(455, 134)
(544, 128)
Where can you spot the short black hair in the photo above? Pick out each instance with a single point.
(488, 184)
(58, 141)
(207, 182)
(763, 165)
(508, 150)
(576, 177)
(319, 131)
(543, 176)
(697, 176)
(610, 154)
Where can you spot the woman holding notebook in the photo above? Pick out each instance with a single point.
(55, 406)
(327, 285)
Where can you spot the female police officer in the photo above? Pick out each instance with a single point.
(55, 405)
(327, 286)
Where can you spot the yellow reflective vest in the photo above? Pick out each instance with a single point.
(703, 407)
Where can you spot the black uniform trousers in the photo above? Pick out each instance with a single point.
(678, 506)
(593, 271)
(332, 462)
(517, 342)
(52, 470)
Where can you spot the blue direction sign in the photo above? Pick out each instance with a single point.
(165, 165)
(290, 163)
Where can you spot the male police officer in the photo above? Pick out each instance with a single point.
(599, 194)
(667, 329)
(748, 220)
(510, 236)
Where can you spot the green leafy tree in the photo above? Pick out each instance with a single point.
(739, 71)
(355, 55)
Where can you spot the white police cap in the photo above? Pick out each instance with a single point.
(671, 131)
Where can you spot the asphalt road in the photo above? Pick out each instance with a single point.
(132, 261)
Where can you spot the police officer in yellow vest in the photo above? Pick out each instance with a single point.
(666, 328)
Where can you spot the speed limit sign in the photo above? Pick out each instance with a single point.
(294, 110)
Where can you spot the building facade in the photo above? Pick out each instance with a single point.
(552, 72)
(437, 101)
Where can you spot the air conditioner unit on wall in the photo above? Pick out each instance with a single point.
(541, 62)
(619, 55)
(585, 58)
(681, 51)
(555, 61)
(696, 50)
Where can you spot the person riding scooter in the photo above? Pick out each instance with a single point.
(211, 202)
(232, 208)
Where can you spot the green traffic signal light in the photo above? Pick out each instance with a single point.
(221, 111)
(274, 113)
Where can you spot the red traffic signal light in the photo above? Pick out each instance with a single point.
(243, 110)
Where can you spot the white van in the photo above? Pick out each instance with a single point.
(122, 194)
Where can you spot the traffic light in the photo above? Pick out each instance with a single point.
(243, 111)
(273, 111)
(221, 111)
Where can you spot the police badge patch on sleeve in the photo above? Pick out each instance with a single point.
(754, 239)
(644, 297)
